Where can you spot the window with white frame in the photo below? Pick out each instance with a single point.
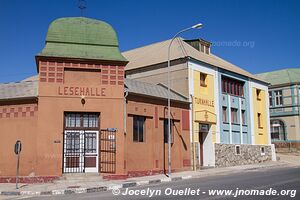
(278, 98)
(277, 130)
(270, 99)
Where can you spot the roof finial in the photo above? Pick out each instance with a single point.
(81, 6)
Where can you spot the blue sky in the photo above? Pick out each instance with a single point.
(257, 35)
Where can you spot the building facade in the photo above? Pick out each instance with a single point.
(80, 115)
(229, 115)
(284, 102)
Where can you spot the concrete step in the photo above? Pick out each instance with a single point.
(79, 177)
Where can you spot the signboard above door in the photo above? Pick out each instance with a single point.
(203, 127)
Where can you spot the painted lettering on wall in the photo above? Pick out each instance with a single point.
(81, 91)
(205, 102)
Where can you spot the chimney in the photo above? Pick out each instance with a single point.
(200, 44)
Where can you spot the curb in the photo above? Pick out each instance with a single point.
(93, 189)
(122, 185)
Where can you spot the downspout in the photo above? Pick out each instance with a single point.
(125, 112)
(125, 131)
(193, 139)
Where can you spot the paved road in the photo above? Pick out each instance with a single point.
(262, 179)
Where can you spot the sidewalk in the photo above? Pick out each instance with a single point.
(88, 186)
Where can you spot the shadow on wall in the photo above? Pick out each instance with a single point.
(165, 147)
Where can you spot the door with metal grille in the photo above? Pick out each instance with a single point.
(73, 151)
(91, 159)
(81, 143)
(108, 151)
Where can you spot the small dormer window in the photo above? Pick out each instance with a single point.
(202, 48)
(206, 49)
(200, 44)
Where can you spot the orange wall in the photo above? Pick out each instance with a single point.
(40, 125)
(61, 93)
(18, 122)
(144, 156)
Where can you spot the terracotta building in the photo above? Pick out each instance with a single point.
(80, 114)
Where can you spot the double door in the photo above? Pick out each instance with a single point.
(81, 151)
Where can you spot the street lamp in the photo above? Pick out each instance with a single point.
(196, 26)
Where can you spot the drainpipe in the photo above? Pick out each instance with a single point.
(125, 112)
(193, 139)
(125, 130)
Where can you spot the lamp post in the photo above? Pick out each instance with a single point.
(197, 26)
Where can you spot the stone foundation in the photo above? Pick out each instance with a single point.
(225, 154)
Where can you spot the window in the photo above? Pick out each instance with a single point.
(207, 49)
(90, 120)
(278, 98)
(278, 130)
(270, 99)
(225, 119)
(262, 151)
(138, 128)
(81, 120)
(203, 79)
(258, 94)
(166, 133)
(232, 86)
(72, 120)
(259, 120)
(244, 117)
(234, 115)
(202, 48)
(237, 150)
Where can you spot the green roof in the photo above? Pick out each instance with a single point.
(284, 76)
(80, 37)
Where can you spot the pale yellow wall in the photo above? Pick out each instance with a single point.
(259, 106)
(204, 112)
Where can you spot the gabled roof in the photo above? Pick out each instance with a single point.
(148, 89)
(284, 76)
(19, 90)
(157, 53)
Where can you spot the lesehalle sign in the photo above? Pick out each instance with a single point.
(81, 91)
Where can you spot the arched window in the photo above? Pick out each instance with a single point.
(277, 130)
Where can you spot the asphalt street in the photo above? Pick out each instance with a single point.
(275, 180)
